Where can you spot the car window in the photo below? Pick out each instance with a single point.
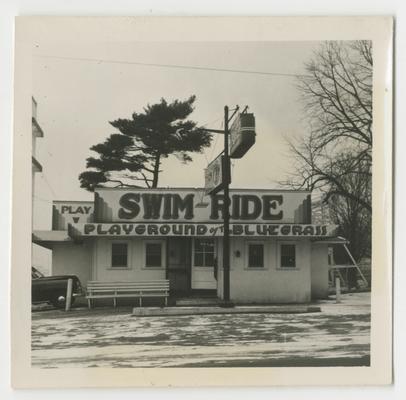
(35, 273)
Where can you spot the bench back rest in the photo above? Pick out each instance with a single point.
(97, 286)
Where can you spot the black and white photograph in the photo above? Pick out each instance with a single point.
(204, 204)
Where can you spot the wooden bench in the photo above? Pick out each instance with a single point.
(115, 290)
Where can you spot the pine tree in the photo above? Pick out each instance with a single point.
(134, 155)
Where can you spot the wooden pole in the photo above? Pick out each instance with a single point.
(338, 290)
(226, 214)
(355, 264)
(69, 288)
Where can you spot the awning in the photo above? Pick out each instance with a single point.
(277, 231)
(48, 238)
(331, 240)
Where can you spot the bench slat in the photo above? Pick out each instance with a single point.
(100, 296)
(126, 286)
(127, 290)
(132, 284)
(126, 283)
(131, 295)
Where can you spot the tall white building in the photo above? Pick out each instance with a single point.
(41, 258)
(37, 132)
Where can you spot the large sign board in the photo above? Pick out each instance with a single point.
(242, 134)
(214, 175)
(195, 206)
(68, 212)
(162, 230)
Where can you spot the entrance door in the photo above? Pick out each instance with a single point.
(204, 259)
(179, 263)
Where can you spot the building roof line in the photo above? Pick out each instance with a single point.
(73, 201)
(201, 188)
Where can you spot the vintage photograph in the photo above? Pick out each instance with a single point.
(202, 204)
(211, 205)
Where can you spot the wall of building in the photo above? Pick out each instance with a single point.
(73, 259)
(41, 259)
(319, 261)
(136, 271)
(270, 284)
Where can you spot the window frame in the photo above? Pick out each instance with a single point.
(204, 253)
(247, 255)
(163, 254)
(279, 255)
(118, 267)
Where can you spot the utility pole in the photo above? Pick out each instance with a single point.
(247, 140)
(226, 215)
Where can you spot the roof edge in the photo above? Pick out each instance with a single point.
(202, 188)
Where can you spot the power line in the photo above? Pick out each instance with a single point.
(44, 200)
(215, 143)
(199, 68)
(204, 125)
(212, 122)
(48, 184)
(205, 156)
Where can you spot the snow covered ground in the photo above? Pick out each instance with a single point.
(339, 335)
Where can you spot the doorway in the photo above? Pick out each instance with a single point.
(179, 252)
(204, 265)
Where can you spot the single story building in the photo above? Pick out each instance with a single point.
(276, 254)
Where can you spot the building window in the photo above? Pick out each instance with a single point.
(204, 253)
(288, 256)
(255, 255)
(119, 255)
(153, 254)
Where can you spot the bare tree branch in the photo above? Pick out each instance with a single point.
(337, 101)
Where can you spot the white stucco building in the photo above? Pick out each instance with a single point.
(276, 254)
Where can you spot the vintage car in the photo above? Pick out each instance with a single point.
(52, 289)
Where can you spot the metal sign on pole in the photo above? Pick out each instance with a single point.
(218, 177)
(213, 175)
(242, 134)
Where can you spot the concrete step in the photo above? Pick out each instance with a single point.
(169, 311)
(197, 301)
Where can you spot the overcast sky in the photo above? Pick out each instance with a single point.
(77, 99)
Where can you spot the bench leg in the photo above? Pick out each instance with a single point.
(89, 304)
(115, 302)
(166, 302)
(140, 301)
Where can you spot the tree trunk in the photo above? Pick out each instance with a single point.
(156, 170)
